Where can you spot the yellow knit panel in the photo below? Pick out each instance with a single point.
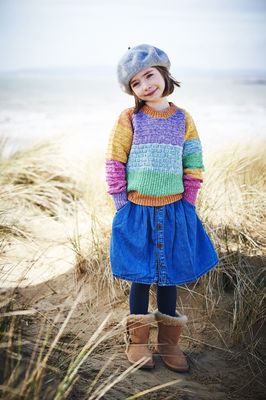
(191, 130)
(192, 133)
(121, 137)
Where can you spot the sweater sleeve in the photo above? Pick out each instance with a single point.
(116, 158)
(192, 161)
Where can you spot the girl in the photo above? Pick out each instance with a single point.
(154, 171)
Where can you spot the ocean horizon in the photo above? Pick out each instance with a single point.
(83, 104)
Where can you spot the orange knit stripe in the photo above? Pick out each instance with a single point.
(195, 172)
(160, 113)
(138, 198)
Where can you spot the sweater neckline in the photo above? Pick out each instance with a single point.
(160, 113)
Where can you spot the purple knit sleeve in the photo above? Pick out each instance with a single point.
(116, 182)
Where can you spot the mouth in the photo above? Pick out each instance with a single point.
(151, 93)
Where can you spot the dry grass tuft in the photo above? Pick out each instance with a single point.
(232, 206)
(39, 177)
(233, 199)
(39, 185)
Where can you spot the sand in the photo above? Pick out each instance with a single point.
(217, 371)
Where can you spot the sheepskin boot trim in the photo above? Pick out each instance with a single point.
(169, 331)
(178, 320)
(137, 339)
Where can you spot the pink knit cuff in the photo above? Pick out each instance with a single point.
(190, 195)
(191, 188)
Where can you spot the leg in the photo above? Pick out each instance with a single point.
(139, 298)
(166, 299)
(138, 326)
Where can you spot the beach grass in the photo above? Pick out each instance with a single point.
(42, 191)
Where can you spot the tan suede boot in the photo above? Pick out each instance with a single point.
(169, 330)
(137, 338)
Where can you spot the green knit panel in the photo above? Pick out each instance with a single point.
(193, 161)
(152, 183)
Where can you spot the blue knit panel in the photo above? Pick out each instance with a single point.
(156, 157)
(192, 146)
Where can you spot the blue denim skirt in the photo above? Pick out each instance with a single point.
(164, 245)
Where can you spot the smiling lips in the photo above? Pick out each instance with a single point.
(151, 93)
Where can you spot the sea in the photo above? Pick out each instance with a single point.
(81, 107)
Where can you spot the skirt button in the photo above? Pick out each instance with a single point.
(159, 245)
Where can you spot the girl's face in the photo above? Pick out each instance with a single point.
(148, 85)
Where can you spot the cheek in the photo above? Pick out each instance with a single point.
(163, 84)
(135, 92)
(159, 81)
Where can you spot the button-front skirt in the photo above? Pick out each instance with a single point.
(165, 245)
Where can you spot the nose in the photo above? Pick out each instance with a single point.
(146, 86)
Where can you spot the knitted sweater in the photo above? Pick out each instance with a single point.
(154, 157)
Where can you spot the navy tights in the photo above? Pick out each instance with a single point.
(139, 299)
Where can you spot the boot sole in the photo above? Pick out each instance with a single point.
(144, 366)
(148, 367)
(175, 369)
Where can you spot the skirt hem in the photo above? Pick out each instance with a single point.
(179, 282)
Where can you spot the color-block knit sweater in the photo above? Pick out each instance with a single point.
(154, 157)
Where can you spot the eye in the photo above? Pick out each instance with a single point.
(149, 75)
(134, 84)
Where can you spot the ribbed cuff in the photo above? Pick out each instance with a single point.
(120, 199)
(190, 195)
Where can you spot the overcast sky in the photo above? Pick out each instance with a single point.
(216, 34)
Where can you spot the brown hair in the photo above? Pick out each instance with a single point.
(170, 84)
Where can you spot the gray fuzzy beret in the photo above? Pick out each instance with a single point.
(136, 59)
